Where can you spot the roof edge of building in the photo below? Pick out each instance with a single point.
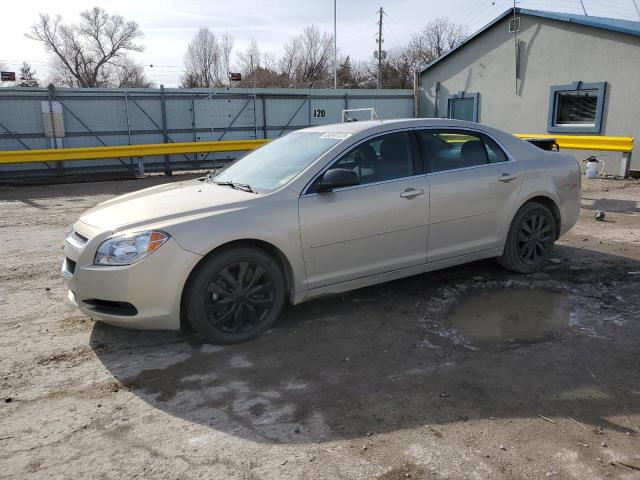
(629, 27)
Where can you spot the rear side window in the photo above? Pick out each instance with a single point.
(452, 149)
(494, 152)
(455, 149)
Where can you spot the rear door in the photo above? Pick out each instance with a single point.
(473, 185)
(374, 227)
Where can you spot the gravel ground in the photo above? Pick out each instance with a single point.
(470, 372)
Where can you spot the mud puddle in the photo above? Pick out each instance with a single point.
(510, 316)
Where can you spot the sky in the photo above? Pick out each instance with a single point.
(168, 25)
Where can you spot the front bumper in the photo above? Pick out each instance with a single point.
(153, 286)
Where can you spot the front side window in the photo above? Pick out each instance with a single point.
(383, 158)
(455, 149)
(280, 160)
(576, 108)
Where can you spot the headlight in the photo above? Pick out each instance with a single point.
(128, 249)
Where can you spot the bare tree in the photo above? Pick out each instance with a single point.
(226, 47)
(92, 51)
(260, 70)
(203, 61)
(308, 60)
(131, 75)
(436, 38)
(249, 60)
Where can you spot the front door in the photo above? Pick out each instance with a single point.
(374, 227)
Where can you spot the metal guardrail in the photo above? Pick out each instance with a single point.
(577, 142)
(120, 151)
(587, 142)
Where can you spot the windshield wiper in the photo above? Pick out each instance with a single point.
(238, 186)
(225, 184)
(244, 186)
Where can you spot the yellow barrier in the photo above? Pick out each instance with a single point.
(577, 142)
(587, 142)
(120, 151)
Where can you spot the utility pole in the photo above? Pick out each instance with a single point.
(516, 27)
(335, 45)
(380, 40)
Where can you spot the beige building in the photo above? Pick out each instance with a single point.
(537, 72)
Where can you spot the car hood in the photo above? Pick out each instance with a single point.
(164, 203)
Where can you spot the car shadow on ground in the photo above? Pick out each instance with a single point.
(371, 361)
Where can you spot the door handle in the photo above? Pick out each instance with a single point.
(410, 193)
(506, 177)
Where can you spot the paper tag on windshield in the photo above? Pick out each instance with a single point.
(336, 135)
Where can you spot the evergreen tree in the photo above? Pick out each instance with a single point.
(345, 74)
(27, 76)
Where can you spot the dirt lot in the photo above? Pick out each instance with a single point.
(471, 372)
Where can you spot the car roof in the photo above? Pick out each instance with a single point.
(357, 127)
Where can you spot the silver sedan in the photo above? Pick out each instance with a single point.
(319, 211)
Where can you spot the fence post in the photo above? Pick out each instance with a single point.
(255, 115)
(625, 164)
(416, 91)
(163, 107)
(54, 139)
(126, 112)
(264, 117)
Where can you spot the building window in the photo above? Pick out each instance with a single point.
(576, 108)
(463, 106)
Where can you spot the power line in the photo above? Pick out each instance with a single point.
(397, 23)
(397, 40)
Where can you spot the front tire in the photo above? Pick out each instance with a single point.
(235, 295)
(530, 239)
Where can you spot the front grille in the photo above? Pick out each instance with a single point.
(110, 307)
(81, 238)
(70, 265)
(77, 238)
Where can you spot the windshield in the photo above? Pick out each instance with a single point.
(278, 161)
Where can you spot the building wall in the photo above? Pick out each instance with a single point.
(552, 53)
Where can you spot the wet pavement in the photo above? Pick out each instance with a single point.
(511, 316)
(430, 349)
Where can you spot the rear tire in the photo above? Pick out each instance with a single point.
(530, 239)
(235, 295)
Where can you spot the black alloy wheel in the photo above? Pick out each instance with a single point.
(530, 240)
(235, 295)
(534, 238)
(239, 297)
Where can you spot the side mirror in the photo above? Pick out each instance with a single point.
(336, 178)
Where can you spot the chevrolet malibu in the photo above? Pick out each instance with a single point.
(319, 211)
